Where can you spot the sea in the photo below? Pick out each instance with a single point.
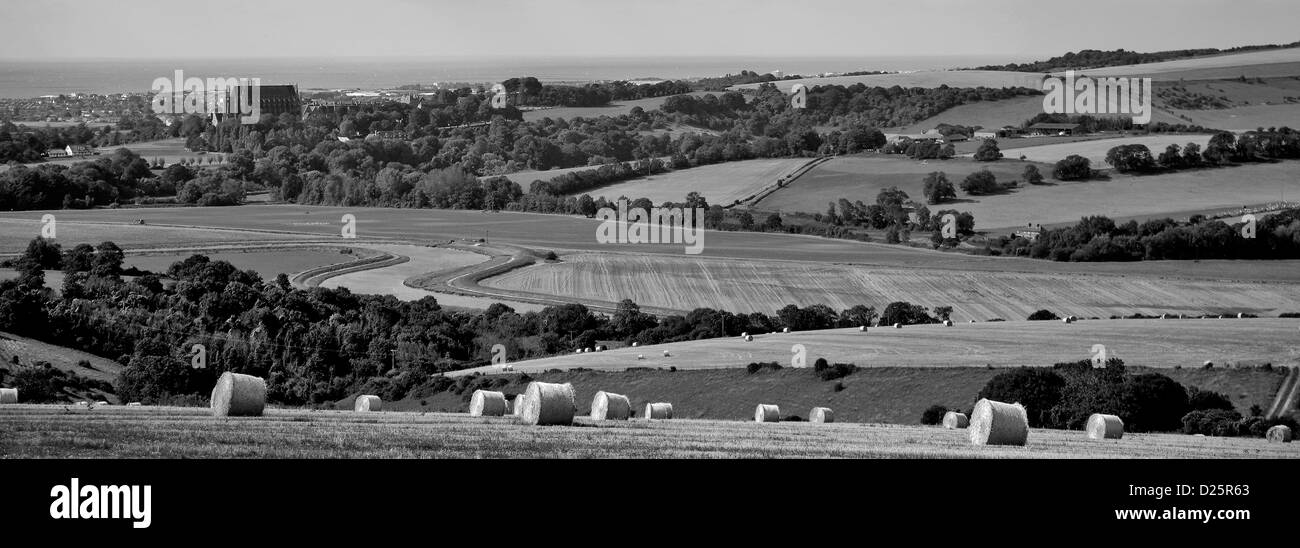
(29, 78)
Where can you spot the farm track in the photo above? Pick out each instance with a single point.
(1287, 395)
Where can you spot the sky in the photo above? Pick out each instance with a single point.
(79, 29)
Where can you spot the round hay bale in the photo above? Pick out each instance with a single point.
(947, 323)
(636, 344)
(749, 338)
(953, 420)
(1241, 315)
(590, 349)
(1279, 434)
(767, 413)
(658, 410)
(8, 395)
(898, 326)
(368, 403)
(517, 405)
(640, 356)
(485, 403)
(997, 423)
(548, 403)
(666, 354)
(1208, 363)
(785, 330)
(134, 404)
(821, 414)
(607, 406)
(744, 335)
(863, 329)
(1105, 427)
(237, 395)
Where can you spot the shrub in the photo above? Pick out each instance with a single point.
(834, 371)
(1042, 315)
(933, 415)
(755, 367)
(1198, 399)
(1072, 168)
(1152, 402)
(1038, 389)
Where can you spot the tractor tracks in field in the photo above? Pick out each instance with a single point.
(1285, 401)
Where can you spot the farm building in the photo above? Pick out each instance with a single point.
(1045, 129)
(897, 137)
(70, 151)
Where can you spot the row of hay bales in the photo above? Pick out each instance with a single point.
(772, 413)
(545, 403)
(990, 423)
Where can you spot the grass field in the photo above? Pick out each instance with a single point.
(1154, 343)
(862, 176)
(1095, 150)
(890, 395)
(268, 263)
(1246, 118)
(1263, 63)
(145, 432)
(1123, 196)
(30, 351)
(93, 227)
(719, 183)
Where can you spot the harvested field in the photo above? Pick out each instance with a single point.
(754, 286)
(152, 432)
(1255, 63)
(1095, 150)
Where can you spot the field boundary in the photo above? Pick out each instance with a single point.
(753, 200)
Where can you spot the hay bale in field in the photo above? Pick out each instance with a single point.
(610, 406)
(767, 413)
(953, 420)
(548, 403)
(486, 403)
(744, 335)
(368, 403)
(517, 405)
(666, 354)
(1241, 315)
(658, 410)
(134, 404)
(898, 326)
(636, 344)
(8, 395)
(785, 330)
(749, 338)
(640, 356)
(997, 423)
(1105, 427)
(863, 329)
(85, 403)
(237, 395)
(947, 323)
(821, 414)
(1279, 434)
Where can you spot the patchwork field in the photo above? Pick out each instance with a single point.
(863, 176)
(268, 263)
(719, 183)
(146, 432)
(1246, 118)
(613, 109)
(93, 227)
(919, 79)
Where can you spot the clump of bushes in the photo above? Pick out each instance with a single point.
(755, 367)
(933, 415)
(1043, 315)
(1230, 423)
(830, 372)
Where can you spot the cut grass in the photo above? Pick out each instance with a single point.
(721, 184)
(119, 432)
